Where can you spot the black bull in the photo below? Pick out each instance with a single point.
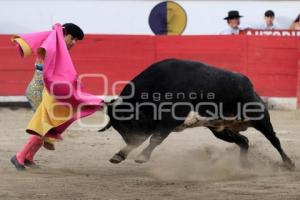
(172, 95)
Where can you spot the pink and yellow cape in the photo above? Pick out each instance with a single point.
(63, 99)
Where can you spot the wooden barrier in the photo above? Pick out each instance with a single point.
(270, 62)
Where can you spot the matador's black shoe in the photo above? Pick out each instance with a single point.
(16, 163)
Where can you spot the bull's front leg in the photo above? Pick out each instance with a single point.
(155, 140)
(122, 154)
(133, 141)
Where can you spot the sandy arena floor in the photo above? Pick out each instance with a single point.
(189, 165)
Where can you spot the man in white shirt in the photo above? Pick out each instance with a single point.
(269, 21)
(233, 21)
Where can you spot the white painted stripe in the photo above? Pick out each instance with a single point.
(6, 99)
(278, 103)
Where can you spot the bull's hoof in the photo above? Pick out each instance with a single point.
(117, 158)
(142, 158)
(289, 165)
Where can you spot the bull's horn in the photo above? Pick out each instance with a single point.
(115, 101)
(107, 126)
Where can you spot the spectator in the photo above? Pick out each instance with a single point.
(269, 21)
(296, 24)
(233, 21)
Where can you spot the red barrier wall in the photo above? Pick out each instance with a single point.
(298, 79)
(270, 62)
